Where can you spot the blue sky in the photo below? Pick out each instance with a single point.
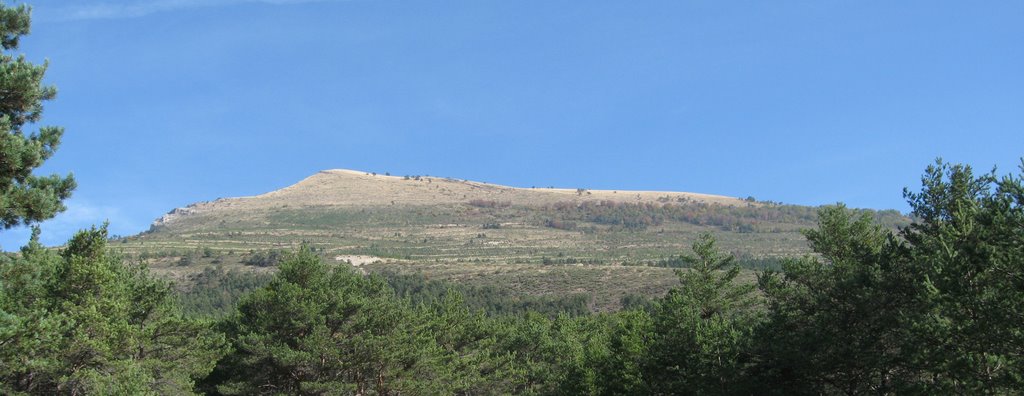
(168, 102)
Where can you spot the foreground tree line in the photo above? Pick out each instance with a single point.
(936, 308)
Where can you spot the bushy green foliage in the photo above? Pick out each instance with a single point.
(936, 309)
(701, 329)
(215, 291)
(84, 321)
(316, 330)
(834, 321)
(25, 198)
(966, 257)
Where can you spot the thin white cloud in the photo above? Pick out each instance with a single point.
(86, 10)
(79, 215)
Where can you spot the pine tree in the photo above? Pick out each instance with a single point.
(470, 359)
(317, 330)
(834, 320)
(701, 328)
(25, 198)
(937, 309)
(967, 253)
(84, 322)
(628, 343)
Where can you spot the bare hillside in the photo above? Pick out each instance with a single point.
(340, 188)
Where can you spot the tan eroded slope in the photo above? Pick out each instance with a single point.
(348, 188)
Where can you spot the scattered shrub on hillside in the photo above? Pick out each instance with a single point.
(483, 203)
(743, 219)
(569, 261)
(264, 258)
(215, 291)
(560, 224)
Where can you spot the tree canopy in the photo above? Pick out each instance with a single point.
(83, 321)
(25, 198)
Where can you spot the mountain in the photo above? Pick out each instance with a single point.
(524, 238)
